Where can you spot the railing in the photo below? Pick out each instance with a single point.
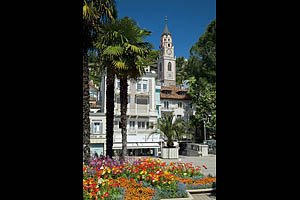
(134, 111)
(170, 109)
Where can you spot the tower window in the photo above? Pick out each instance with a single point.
(168, 39)
(169, 66)
(160, 68)
(168, 45)
(164, 40)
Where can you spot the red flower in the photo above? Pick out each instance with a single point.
(106, 194)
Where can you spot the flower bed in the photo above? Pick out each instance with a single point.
(141, 179)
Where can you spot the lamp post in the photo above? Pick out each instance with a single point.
(204, 120)
(204, 141)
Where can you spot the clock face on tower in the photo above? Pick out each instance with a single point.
(161, 52)
(169, 51)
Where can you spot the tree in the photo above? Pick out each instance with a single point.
(180, 65)
(94, 13)
(122, 49)
(204, 99)
(201, 70)
(171, 129)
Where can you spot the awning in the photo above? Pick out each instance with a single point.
(137, 145)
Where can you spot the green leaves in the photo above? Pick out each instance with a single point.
(113, 51)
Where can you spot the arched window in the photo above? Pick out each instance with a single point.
(169, 66)
(160, 68)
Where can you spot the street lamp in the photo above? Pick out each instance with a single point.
(204, 120)
(204, 141)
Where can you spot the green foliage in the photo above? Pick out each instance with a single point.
(121, 47)
(151, 59)
(180, 66)
(171, 129)
(200, 70)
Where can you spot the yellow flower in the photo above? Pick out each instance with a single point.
(169, 182)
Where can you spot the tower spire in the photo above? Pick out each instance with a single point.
(166, 30)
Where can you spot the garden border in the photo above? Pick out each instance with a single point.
(201, 190)
(190, 197)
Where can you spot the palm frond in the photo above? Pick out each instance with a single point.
(113, 51)
(120, 65)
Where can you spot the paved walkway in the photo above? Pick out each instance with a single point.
(205, 196)
(209, 161)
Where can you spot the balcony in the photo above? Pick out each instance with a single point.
(97, 136)
(133, 111)
(140, 92)
(170, 109)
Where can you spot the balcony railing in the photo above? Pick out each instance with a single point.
(170, 109)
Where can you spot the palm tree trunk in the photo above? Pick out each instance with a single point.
(110, 95)
(86, 110)
(124, 102)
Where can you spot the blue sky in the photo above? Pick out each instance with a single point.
(187, 19)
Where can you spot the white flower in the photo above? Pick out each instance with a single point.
(100, 181)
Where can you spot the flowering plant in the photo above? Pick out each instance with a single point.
(144, 178)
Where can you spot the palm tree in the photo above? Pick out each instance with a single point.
(122, 48)
(134, 50)
(171, 129)
(94, 13)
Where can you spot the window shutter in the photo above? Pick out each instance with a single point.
(101, 128)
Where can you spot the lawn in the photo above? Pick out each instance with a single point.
(141, 179)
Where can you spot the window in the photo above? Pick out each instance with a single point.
(182, 93)
(169, 66)
(166, 91)
(147, 125)
(120, 124)
(160, 67)
(179, 104)
(138, 87)
(164, 40)
(97, 127)
(128, 100)
(169, 40)
(118, 84)
(117, 99)
(132, 124)
(145, 83)
(168, 45)
(142, 86)
(179, 116)
(141, 100)
(166, 105)
(141, 125)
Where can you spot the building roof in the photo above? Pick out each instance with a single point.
(174, 93)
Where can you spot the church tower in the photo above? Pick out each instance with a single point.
(166, 61)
